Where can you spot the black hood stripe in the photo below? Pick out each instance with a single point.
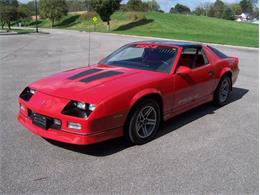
(84, 73)
(100, 76)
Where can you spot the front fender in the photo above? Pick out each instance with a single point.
(142, 94)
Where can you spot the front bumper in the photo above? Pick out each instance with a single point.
(93, 130)
(68, 137)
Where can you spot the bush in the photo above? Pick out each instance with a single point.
(228, 14)
(180, 9)
(88, 15)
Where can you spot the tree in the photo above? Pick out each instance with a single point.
(228, 14)
(77, 5)
(135, 5)
(27, 9)
(53, 9)
(218, 7)
(199, 11)
(256, 13)
(246, 6)
(153, 5)
(203, 9)
(211, 12)
(8, 12)
(180, 9)
(236, 9)
(142, 6)
(105, 8)
(13, 3)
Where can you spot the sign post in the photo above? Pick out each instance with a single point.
(94, 19)
(36, 15)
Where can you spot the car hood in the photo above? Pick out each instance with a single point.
(94, 83)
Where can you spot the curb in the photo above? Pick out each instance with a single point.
(8, 33)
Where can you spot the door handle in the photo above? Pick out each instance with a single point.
(211, 73)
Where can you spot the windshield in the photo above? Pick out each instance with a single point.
(143, 56)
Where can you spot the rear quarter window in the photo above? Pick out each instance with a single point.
(218, 53)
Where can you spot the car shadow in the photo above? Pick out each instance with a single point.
(116, 145)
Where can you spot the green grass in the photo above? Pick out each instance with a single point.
(197, 28)
(20, 31)
(173, 26)
(23, 31)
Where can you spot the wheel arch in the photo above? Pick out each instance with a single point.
(146, 94)
(228, 72)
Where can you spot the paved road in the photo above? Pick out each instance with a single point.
(206, 150)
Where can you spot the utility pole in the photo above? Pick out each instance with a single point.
(36, 16)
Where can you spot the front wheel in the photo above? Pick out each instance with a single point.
(143, 122)
(223, 91)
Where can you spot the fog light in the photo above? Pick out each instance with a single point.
(72, 125)
(22, 108)
(57, 122)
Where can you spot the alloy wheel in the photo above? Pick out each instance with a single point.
(146, 122)
(224, 90)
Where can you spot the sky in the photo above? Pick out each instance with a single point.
(166, 5)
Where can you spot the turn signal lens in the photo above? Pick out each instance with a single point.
(23, 109)
(72, 125)
(92, 107)
(57, 122)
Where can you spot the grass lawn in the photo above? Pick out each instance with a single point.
(23, 31)
(19, 31)
(174, 26)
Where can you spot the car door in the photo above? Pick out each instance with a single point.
(198, 83)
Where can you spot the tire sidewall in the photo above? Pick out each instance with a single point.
(131, 130)
(217, 93)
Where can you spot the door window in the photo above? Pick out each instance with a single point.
(193, 57)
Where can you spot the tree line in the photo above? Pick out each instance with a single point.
(12, 10)
(227, 11)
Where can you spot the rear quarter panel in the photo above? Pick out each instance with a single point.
(223, 66)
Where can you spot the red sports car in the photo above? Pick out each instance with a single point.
(129, 93)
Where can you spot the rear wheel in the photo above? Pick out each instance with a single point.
(143, 122)
(223, 91)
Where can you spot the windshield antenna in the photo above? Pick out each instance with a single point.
(89, 38)
(89, 45)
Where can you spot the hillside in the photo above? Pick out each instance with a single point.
(194, 28)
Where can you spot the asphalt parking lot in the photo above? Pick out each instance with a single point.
(206, 150)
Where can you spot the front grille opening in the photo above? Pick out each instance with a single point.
(42, 121)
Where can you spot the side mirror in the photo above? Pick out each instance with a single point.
(183, 71)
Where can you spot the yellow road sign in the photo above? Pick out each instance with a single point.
(94, 20)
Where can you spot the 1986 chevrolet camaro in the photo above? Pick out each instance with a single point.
(129, 93)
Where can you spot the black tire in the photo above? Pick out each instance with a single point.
(223, 91)
(135, 121)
